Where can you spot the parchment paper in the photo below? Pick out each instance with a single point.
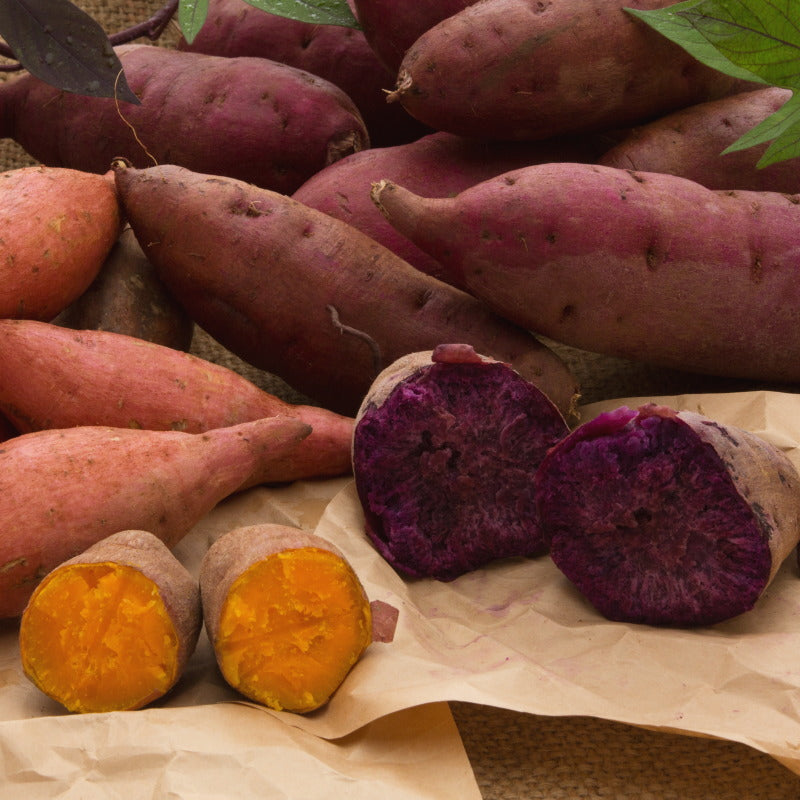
(516, 634)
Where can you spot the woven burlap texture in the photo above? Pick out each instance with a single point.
(522, 756)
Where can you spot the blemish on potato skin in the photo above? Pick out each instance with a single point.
(567, 313)
(756, 270)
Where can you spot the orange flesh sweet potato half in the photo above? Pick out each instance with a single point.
(56, 228)
(286, 614)
(113, 628)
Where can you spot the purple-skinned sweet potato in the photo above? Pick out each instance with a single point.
(639, 265)
(57, 227)
(128, 297)
(437, 165)
(531, 70)
(54, 377)
(304, 296)
(444, 451)
(689, 143)
(392, 26)
(667, 518)
(336, 53)
(63, 490)
(251, 118)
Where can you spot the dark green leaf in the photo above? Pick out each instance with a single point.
(63, 46)
(673, 23)
(783, 127)
(191, 17)
(321, 12)
(762, 36)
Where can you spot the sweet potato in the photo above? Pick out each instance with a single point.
(62, 490)
(532, 70)
(437, 165)
(52, 377)
(392, 26)
(338, 54)
(251, 118)
(305, 296)
(128, 297)
(640, 265)
(113, 628)
(444, 451)
(57, 227)
(689, 143)
(286, 614)
(668, 518)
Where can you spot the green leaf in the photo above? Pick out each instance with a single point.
(63, 46)
(762, 36)
(321, 12)
(674, 23)
(783, 127)
(191, 17)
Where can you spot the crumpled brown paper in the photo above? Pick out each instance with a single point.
(203, 742)
(514, 635)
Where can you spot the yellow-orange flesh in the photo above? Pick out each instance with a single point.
(97, 637)
(291, 628)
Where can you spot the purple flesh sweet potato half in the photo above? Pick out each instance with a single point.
(667, 518)
(445, 447)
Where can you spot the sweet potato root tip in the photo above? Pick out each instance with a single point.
(105, 633)
(286, 614)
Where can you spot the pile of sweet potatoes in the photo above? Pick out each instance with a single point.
(459, 179)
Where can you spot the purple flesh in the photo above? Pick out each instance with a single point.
(444, 468)
(645, 519)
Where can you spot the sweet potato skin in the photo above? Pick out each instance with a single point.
(304, 296)
(668, 518)
(529, 70)
(392, 26)
(53, 377)
(57, 227)
(275, 129)
(62, 490)
(128, 297)
(689, 143)
(338, 54)
(639, 265)
(437, 165)
(178, 591)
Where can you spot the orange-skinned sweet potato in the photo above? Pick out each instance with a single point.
(57, 227)
(62, 490)
(523, 69)
(128, 297)
(112, 628)
(252, 118)
(304, 296)
(640, 265)
(286, 614)
(53, 377)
